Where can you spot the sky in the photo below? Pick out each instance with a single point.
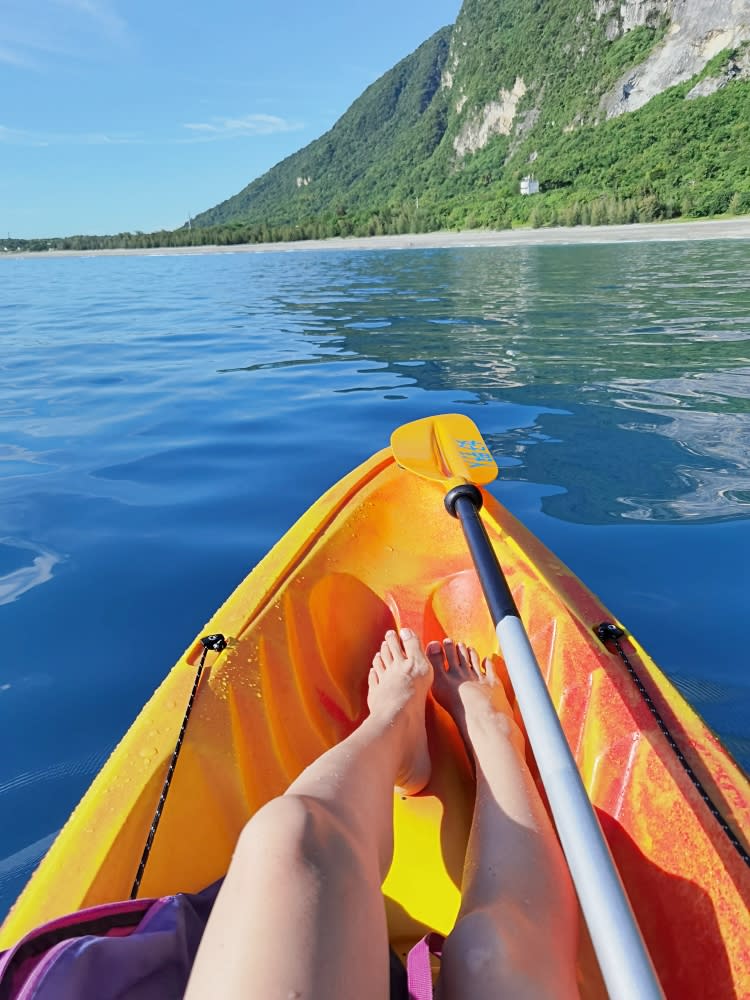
(126, 115)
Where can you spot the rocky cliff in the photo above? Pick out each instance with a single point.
(698, 30)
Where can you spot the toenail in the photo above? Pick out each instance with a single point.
(433, 647)
(406, 633)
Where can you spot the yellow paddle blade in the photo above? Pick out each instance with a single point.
(447, 448)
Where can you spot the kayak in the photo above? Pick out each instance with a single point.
(287, 679)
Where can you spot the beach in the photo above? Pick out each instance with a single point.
(715, 229)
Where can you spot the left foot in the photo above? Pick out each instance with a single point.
(399, 680)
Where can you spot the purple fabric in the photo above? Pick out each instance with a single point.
(138, 949)
(418, 969)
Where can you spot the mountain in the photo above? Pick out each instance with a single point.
(623, 111)
(388, 133)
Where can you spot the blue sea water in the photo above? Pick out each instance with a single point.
(164, 419)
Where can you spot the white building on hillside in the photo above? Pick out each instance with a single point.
(529, 185)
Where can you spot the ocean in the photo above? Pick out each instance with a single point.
(165, 418)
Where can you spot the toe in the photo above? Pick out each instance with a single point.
(434, 653)
(373, 677)
(377, 665)
(475, 662)
(463, 657)
(386, 656)
(489, 671)
(451, 654)
(411, 643)
(393, 643)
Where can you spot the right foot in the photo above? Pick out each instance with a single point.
(398, 684)
(471, 692)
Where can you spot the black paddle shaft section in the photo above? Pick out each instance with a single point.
(465, 502)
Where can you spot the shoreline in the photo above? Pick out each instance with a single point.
(640, 232)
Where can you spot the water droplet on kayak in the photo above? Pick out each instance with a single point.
(171, 704)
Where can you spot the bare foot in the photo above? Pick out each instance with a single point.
(399, 680)
(471, 693)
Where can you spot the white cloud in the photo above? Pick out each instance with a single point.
(233, 128)
(14, 57)
(17, 137)
(102, 13)
(22, 137)
(104, 139)
(216, 128)
(58, 28)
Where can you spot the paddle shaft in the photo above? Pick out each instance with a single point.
(623, 958)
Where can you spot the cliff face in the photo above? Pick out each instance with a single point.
(698, 31)
(564, 55)
(513, 83)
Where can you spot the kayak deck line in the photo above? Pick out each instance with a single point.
(609, 632)
(378, 550)
(656, 689)
(218, 644)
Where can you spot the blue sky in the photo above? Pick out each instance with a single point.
(126, 114)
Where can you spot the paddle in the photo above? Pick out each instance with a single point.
(449, 450)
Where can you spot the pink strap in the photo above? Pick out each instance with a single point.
(418, 971)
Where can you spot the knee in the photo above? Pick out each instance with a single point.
(474, 952)
(294, 831)
(498, 950)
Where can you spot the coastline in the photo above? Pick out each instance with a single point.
(714, 229)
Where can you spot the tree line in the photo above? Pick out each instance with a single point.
(539, 211)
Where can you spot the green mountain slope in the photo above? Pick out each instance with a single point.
(387, 134)
(522, 86)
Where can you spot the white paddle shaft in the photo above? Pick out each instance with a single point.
(623, 959)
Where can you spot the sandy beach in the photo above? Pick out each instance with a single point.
(716, 229)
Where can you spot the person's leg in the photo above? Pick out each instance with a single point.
(516, 931)
(301, 913)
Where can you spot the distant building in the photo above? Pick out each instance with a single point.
(529, 185)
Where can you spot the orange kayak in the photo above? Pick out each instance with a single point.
(376, 550)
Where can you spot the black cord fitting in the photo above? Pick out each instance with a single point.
(608, 632)
(216, 642)
(468, 490)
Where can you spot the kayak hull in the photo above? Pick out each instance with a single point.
(378, 551)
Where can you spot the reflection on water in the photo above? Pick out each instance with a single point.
(641, 351)
(19, 580)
